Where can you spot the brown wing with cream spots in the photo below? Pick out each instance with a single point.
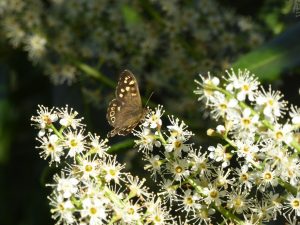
(125, 111)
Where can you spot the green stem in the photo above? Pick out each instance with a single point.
(90, 71)
(59, 134)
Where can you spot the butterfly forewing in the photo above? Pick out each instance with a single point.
(125, 111)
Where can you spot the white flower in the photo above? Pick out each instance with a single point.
(221, 106)
(44, 118)
(112, 169)
(244, 176)
(213, 195)
(282, 133)
(178, 129)
(179, 169)
(98, 146)
(94, 209)
(36, 46)
(157, 214)
(244, 83)
(200, 162)
(290, 170)
(68, 118)
(295, 116)
(245, 123)
(153, 119)
(136, 186)
(52, 147)
(189, 201)
(177, 145)
(154, 164)
(146, 139)
(130, 213)
(61, 209)
(205, 91)
(75, 142)
(271, 103)
(268, 177)
(237, 201)
(247, 149)
(66, 186)
(292, 205)
(219, 154)
(89, 168)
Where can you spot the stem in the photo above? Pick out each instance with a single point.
(56, 131)
(90, 71)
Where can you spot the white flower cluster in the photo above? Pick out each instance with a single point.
(251, 177)
(92, 188)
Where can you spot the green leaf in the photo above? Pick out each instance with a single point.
(270, 60)
(121, 146)
(130, 15)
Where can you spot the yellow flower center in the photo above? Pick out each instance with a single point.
(213, 194)
(73, 143)
(223, 106)
(47, 119)
(238, 202)
(178, 169)
(88, 168)
(245, 87)
(244, 177)
(112, 172)
(177, 144)
(279, 135)
(246, 121)
(50, 147)
(296, 203)
(93, 210)
(268, 176)
(157, 219)
(189, 200)
(130, 211)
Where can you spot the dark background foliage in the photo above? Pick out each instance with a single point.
(23, 175)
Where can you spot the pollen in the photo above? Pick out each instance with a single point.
(93, 210)
(178, 169)
(88, 168)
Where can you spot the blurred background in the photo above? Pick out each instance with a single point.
(57, 52)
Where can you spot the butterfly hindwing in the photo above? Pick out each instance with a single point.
(125, 111)
(112, 109)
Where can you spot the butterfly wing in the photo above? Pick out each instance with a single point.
(125, 111)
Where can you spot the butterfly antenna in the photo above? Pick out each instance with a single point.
(149, 98)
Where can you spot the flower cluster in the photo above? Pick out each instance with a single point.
(92, 188)
(251, 177)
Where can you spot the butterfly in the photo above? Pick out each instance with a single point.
(125, 111)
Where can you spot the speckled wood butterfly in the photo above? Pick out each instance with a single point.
(126, 110)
